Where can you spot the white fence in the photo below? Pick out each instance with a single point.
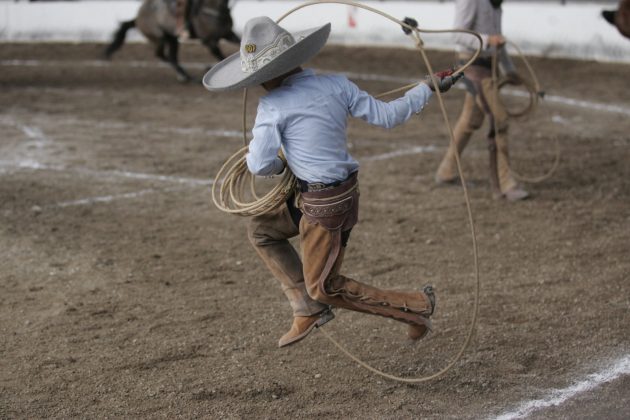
(572, 30)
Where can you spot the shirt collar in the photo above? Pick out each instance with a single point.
(297, 76)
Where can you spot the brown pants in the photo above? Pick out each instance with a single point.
(300, 279)
(471, 119)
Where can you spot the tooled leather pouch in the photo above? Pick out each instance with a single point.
(333, 209)
(340, 212)
(333, 215)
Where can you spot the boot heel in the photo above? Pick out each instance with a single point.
(326, 316)
(430, 292)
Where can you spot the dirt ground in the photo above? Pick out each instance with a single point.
(125, 293)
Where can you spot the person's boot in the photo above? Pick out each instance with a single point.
(516, 194)
(303, 325)
(510, 187)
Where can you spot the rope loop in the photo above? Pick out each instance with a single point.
(532, 85)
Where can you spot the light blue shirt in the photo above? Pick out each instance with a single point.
(307, 116)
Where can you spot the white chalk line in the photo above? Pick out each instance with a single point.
(98, 199)
(33, 165)
(97, 63)
(411, 151)
(39, 139)
(188, 182)
(578, 103)
(36, 133)
(153, 128)
(105, 198)
(557, 397)
(83, 92)
(33, 133)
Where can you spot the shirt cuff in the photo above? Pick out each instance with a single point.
(278, 166)
(421, 95)
(274, 167)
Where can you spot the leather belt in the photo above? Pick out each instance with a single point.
(321, 186)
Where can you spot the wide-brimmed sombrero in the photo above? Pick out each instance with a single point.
(267, 51)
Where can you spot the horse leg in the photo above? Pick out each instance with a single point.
(159, 49)
(232, 37)
(173, 46)
(213, 46)
(119, 38)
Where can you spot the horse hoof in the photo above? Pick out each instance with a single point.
(183, 79)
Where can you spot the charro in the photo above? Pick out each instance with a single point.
(229, 195)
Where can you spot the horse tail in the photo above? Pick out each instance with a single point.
(119, 37)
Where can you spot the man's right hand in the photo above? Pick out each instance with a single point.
(445, 79)
(496, 40)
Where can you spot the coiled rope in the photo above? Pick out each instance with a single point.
(535, 92)
(229, 190)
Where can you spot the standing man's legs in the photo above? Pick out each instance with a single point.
(507, 183)
(269, 234)
(470, 119)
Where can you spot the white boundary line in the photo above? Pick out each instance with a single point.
(106, 198)
(578, 103)
(153, 128)
(36, 134)
(411, 151)
(39, 139)
(99, 199)
(188, 182)
(556, 397)
(27, 164)
(97, 63)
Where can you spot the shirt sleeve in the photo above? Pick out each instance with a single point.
(386, 114)
(465, 15)
(262, 158)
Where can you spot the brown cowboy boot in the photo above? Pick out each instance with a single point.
(303, 325)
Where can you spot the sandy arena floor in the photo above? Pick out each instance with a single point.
(125, 293)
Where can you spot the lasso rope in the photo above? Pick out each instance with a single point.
(233, 174)
(535, 92)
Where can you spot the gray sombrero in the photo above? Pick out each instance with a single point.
(267, 51)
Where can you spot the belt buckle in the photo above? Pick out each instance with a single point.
(316, 186)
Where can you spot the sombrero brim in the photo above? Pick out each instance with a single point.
(228, 75)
